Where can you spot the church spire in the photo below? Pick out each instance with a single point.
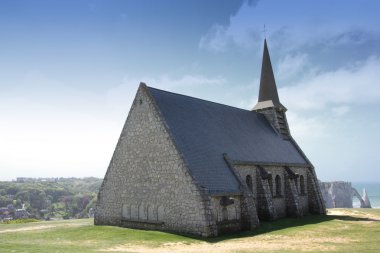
(268, 96)
(268, 103)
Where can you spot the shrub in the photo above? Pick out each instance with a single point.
(20, 221)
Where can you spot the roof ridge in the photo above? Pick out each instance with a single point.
(204, 100)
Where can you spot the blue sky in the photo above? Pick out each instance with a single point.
(70, 69)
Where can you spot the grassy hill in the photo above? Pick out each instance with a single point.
(342, 230)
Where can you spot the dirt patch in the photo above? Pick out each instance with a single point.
(354, 213)
(40, 227)
(26, 229)
(247, 244)
(338, 212)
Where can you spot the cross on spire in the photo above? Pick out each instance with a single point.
(265, 32)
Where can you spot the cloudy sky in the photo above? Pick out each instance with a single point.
(70, 69)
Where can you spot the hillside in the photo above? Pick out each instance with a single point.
(48, 198)
(342, 230)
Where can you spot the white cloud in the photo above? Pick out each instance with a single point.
(319, 104)
(323, 119)
(354, 85)
(245, 28)
(50, 130)
(340, 110)
(310, 128)
(188, 81)
(216, 39)
(121, 97)
(345, 37)
(292, 66)
(240, 32)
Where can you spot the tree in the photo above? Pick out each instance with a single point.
(4, 201)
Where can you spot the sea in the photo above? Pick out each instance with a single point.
(373, 191)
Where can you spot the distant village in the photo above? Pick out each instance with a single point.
(39, 179)
(9, 212)
(48, 198)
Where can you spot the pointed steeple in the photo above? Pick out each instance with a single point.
(268, 103)
(268, 96)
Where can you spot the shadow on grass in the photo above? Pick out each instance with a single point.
(352, 218)
(266, 227)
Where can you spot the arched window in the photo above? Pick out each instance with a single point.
(296, 183)
(160, 213)
(134, 212)
(126, 211)
(248, 180)
(142, 212)
(278, 185)
(151, 212)
(302, 184)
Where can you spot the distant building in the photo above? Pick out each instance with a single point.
(21, 214)
(11, 208)
(31, 179)
(91, 213)
(3, 210)
(188, 165)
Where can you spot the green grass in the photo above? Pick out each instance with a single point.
(20, 221)
(76, 236)
(357, 230)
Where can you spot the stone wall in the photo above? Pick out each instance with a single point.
(278, 194)
(272, 199)
(315, 199)
(229, 212)
(228, 216)
(147, 184)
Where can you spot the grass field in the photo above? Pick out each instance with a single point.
(342, 230)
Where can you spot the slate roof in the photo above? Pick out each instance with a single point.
(204, 130)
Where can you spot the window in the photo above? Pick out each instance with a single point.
(278, 186)
(160, 213)
(142, 212)
(126, 212)
(302, 184)
(134, 212)
(151, 213)
(248, 180)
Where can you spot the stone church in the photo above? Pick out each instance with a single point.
(188, 165)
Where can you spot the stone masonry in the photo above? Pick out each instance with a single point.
(147, 184)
